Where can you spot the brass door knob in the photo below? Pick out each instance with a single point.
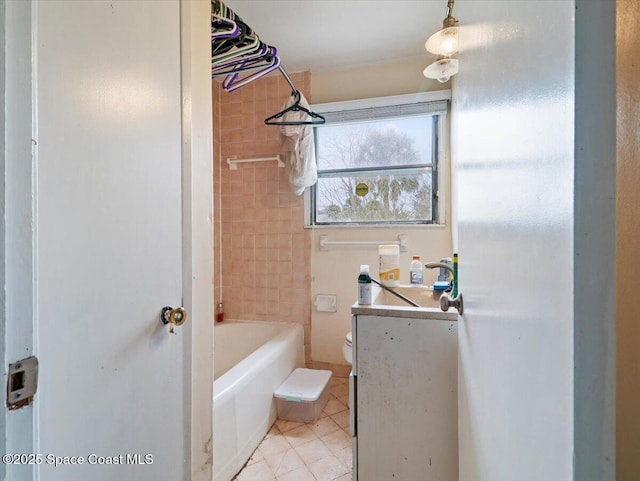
(175, 317)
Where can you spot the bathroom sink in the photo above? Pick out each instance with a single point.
(421, 295)
(386, 304)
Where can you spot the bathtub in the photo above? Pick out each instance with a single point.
(251, 359)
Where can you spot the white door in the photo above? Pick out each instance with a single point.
(534, 147)
(107, 251)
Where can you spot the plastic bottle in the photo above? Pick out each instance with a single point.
(364, 285)
(446, 274)
(389, 256)
(219, 313)
(415, 272)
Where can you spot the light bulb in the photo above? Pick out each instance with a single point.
(443, 77)
(443, 42)
(449, 45)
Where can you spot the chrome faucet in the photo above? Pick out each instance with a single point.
(442, 265)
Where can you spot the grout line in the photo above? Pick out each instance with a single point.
(316, 436)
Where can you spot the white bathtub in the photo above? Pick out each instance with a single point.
(251, 360)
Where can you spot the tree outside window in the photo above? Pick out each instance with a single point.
(376, 171)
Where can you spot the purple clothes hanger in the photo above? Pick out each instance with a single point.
(251, 62)
(231, 65)
(243, 52)
(231, 83)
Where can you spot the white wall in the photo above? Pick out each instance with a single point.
(379, 80)
(335, 271)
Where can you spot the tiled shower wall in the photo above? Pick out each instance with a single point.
(262, 253)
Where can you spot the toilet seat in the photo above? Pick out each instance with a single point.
(347, 352)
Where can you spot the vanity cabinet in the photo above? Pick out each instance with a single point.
(404, 396)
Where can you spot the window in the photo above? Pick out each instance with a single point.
(378, 164)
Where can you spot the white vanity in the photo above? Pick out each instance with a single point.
(404, 415)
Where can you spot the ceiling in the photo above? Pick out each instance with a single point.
(324, 35)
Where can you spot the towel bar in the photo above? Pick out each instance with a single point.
(233, 161)
(325, 243)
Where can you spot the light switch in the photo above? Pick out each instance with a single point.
(326, 303)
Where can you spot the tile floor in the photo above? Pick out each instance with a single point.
(307, 452)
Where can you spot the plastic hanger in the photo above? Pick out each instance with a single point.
(245, 62)
(315, 118)
(222, 27)
(245, 43)
(240, 51)
(232, 82)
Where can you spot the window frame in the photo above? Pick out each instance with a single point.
(436, 166)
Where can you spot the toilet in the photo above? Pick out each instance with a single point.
(347, 352)
(347, 348)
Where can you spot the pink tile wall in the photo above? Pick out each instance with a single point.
(265, 259)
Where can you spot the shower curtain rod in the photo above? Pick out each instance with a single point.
(288, 79)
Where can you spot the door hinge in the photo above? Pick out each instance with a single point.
(22, 383)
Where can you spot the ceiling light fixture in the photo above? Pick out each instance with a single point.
(444, 43)
(442, 69)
